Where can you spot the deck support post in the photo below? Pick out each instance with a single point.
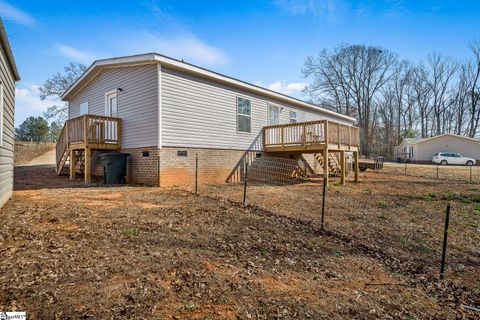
(342, 167)
(325, 165)
(73, 161)
(355, 155)
(87, 164)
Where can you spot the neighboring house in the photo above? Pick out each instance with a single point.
(8, 76)
(421, 150)
(171, 111)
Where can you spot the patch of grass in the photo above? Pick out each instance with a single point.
(338, 253)
(264, 251)
(474, 198)
(430, 196)
(383, 216)
(474, 225)
(367, 191)
(404, 240)
(352, 218)
(222, 301)
(131, 231)
(258, 217)
(476, 210)
(190, 306)
(384, 204)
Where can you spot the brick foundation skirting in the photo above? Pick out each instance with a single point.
(177, 165)
(142, 166)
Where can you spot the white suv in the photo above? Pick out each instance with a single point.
(445, 158)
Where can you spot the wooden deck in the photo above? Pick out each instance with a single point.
(320, 137)
(81, 136)
(311, 136)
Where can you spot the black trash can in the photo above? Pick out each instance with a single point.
(114, 167)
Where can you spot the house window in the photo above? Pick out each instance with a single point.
(244, 115)
(293, 117)
(1, 114)
(273, 115)
(84, 108)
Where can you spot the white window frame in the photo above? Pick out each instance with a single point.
(2, 112)
(271, 105)
(243, 115)
(108, 94)
(84, 104)
(293, 118)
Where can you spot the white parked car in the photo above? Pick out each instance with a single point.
(445, 158)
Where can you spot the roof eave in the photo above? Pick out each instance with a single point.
(192, 69)
(8, 52)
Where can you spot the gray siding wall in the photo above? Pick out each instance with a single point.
(137, 104)
(466, 147)
(202, 113)
(7, 146)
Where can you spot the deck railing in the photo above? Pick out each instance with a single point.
(91, 131)
(306, 135)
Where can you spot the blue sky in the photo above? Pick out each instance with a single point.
(263, 42)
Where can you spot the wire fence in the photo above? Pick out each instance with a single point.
(403, 215)
(432, 171)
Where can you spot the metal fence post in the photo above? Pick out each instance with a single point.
(245, 185)
(471, 173)
(324, 196)
(196, 174)
(445, 238)
(437, 170)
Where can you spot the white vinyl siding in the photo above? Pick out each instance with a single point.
(137, 103)
(1, 113)
(7, 143)
(201, 113)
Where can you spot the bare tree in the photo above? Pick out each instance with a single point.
(56, 85)
(474, 88)
(459, 100)
(352, 75)
(442, 70)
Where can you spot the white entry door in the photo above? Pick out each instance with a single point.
(111, 104)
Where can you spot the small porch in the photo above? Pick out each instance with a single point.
(321, 138)
(83, 135)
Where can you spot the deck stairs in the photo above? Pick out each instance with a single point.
(83, 135)
(333, 163)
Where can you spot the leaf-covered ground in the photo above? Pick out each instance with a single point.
(69, 252)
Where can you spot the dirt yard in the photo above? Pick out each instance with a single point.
(74, 252)
(26, 151)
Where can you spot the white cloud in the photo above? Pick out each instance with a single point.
(28, 102)
(183, 46)
(292, 88)
(75, 54)
(9, 12)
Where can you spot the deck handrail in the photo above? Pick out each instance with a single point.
(91, 131)
(94, 129)
(62, 144)
(310, 133)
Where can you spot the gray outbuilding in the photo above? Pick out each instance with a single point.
(421, 150)
(8, 77)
